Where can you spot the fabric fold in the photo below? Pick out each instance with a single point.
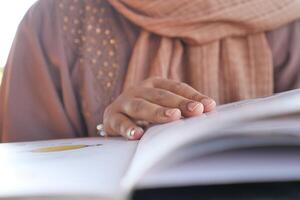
(219, 48)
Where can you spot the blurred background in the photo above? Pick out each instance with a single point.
(11, 13)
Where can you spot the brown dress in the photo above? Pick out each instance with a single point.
(68, 62)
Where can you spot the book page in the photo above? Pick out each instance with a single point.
(72, 167)
(260, 164)
(163, 140)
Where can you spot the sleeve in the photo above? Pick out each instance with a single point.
(285, 46)
(32, 104)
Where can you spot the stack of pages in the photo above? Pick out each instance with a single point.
(249, 141)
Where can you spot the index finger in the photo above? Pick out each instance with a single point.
(186, 91)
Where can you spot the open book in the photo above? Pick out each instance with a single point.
(249, 141)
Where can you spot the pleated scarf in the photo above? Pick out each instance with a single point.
(218, 47)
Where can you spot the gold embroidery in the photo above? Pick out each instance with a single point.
(98, 52)
(100, 20)
(115, 65)
(66, 19)
(110, 74)
(98, 30)
(83, 38)
(108, 84)
(107, 32)
(100, 72)
(89, 49)
(72, 7)
(111, 53)
(87, 8)
(112, 41)
(87, 25)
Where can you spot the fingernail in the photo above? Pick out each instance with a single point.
(135, 133)
(206, 102)
(192, 106)
(170, 112)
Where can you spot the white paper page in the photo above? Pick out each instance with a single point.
(93, 169)
(160, 141)
(286, 126)
(269, 133)
(236, 166)
(261, 133)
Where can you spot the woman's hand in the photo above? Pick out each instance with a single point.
(156, 100)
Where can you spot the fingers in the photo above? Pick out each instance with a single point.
(184, 90)
(168, 99)
(119, 124)
(156, 101)
(141, 109)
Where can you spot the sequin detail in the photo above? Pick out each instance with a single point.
(86, 26)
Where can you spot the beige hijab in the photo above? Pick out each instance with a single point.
(218, 47)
